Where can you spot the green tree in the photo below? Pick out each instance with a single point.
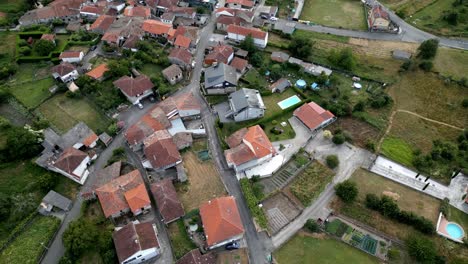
(332, 161)
(21, 144)
(118, 68)
(79, 237)
(5, 205)
(4, 95)
(44, 47)
(347, 191)
(428, 49)
(338, 138)
(256, 59)
(312, 226)
(426, 65)
(248, 44)
(47, 181)
(421, 249)
(344, 59)
(301, 47)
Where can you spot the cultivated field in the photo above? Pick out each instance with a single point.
(360, 131)
(204, 182)
(335, 13)
(64, 113)
(409, 7)
(451, 62)
(304, 248)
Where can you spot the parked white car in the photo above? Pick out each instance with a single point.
(273, 18)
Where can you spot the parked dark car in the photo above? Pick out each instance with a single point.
(232, 246)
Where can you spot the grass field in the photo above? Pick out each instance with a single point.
(306, 249)
(152, 70)
(11, 6)
(7, 46)
(409, 7)
(33, 93)
(398, 150)
(180, 241)
(311, 182)
(451, 62)
(27, 247)
(408, 199)
(64, 113)
(335, 13)
(204, 182)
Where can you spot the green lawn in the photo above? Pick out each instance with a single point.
(311, 182)
(64, 113)
(335, 13)
(288, 131)
(152, 70)
(305, 249)
(397, 150)
(11, 6)
(27, 247)
(452, 62)
(458, 217)
(253, 77)
(33, 93)
(180, 241)
(315, 35)
(7, 46)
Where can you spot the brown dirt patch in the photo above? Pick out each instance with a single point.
(239, 256)
(204, 182)
(314, 235)
(392, 195)
(382, 49)
(360, 131)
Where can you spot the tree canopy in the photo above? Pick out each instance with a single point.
(301, 47)
(80, 236)
(347, 191)
(44, 47)
(428, 49)
(248, 44)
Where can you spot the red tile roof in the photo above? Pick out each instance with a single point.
(167, 201)
(259, 141)
(181, 54)
(241, 2)
(153, 121)
(156, 27)
(134, 86)
(236, 138)
(111, 195)
(70, 54)
(167, 3)
(187, 101)
(137, 198)
(239, 64)
(133, 238)
(103, 23)
(244, 31)
(228, 20)
(378, 12)
(195, 257)
(90, 139)
(137, 11)
(98, 72)
(49, 37)
(70, 159)
(182, 41)
(312, 115)
(99, 10)
(221, 220)
(220, 53)
(160, 150)
(63, 68)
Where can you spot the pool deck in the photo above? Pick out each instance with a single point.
(298, 100)
(442, 228)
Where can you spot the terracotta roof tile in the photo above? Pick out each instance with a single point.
(99, 10)
(102, 22)
(182, 41)
(98, 72)
(239, 64)
(167, 201)
(153, 121)
(235, 139)
(259, 141)
(137, 11)
(137, 198)
(160, 150)
(186, 101)
(181, 54)
(172, 71)
(312, 115)
(220, 53)
(244, 31)
(63, 68)
(228, 20)
(195, 257)
(133, 238)
(221, 220)
(70, 159)
(241, 2)
(90, 139)
(156, 27)
(134, 86)
(49, 37)
(70, 54)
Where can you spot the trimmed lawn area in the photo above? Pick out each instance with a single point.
(180, 241)
(11, 6)
(398, 150)
(33, 93)
(152, 70)
(7, 44)
(335, 13)
(303, 248)
(408, 199)
(203, 184)
(459, 217)
(288, 131)
(409, 7)
(64, 113)
(311, 182)
(452, 62)
(253, 77)
(27, 247)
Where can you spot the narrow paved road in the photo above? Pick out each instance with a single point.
(56, 249)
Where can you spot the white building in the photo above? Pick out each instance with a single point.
(136, 242)
(239, 33)
(71, 56)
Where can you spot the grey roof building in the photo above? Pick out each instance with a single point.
(245, 104)
(401, 55)
(279, 56)
(280, 85)
(79, 134)
(220, 79)
(54, 199)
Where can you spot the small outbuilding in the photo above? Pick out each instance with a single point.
(280, 85)
(54, 199)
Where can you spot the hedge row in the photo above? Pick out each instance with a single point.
(252, 203)
(18, 230)
(84, 43)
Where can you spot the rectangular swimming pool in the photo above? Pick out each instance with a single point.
(288, 102)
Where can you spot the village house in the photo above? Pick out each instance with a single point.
(280, 85)
(136, 242)
(182, 42)
(313, 116)
(188, 32)
(166, 199)
(183, 140)
(378, 19)
(267, 11)
(185, 105)
(167, 18)
(219, 54)
(98, 72)
(163, 6)
(239, 64)
(157, 28)
(135, 89)
(92, 12)
(181, 57)
(71, 56)
(66, 10)
(160, 151)
(173, 74)
(220, 79)
(249, 147)
(245, 104)
(138, 11)
(71, 162)
(195, 257)
(221, 221)
(65, 72)
(230, 16)
(49, 37)
(123, 28)
(54, 200)
(239, 33)
(102, 24)
(132, 43)
(240, 4)
(124, 194)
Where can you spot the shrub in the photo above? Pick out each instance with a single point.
(421, 249)
(347, 191)
(112, 129)
(332, 161)
(445, 207)
(312, 226)
(24, 50)
(465, 103)
(370, 145)
(359, 107)
(44, 47)
(428, 49)
(252, 203)
(426, 65)
(372, 201)
(338, 139)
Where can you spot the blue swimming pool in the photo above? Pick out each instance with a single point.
(454, 230)
(288, 102)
